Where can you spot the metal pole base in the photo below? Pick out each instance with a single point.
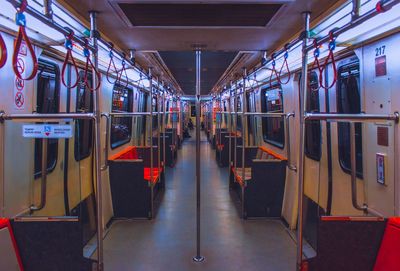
(198, 259)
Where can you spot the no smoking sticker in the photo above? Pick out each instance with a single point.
(19, 99)
(19, 83)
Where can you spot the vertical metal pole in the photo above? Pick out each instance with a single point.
(96, 109)
(244, 127)
(163, 127)
(158, 127)
(198, 257)
(235, 127)
(230, 129)
(303, 101)
(151, 145)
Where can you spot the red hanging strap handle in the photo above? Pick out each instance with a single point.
(331, 56)
(68, 57)
(89, 64)
(111, 64)
(22, 36)
(315, 64)
(3, 52)
(123, 71)
(286, 65)
(273, 71)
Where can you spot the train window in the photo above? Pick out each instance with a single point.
(154, 108)
(121, 128)
(249, 118)
(167, 109)
(225, 118)
(312, 145)
(83, 128)
(239, 111)
(349, 101)
(193, 111)
(273, 128)
(48, 100)
(143, 108)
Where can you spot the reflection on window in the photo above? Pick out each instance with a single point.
(48, 100)
(83, 128)
(121, 128)
(313, 127)
(349, 101)
(273, 128)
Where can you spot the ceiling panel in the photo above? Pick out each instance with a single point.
(183, 67)
(210, 15)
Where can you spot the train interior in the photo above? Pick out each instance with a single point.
(199, 135)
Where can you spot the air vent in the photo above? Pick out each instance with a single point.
(198, 15)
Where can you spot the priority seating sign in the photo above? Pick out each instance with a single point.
(47, 131)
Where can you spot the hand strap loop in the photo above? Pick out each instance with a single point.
(69, 57)
(18, 68)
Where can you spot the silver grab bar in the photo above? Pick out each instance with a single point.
(107, 117)
(43, 184)
(288, 151)
(37, 117)
(353, 117)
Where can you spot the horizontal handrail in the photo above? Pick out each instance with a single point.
(128, 114)
(37, 117)
(266, 115)
(352, 117)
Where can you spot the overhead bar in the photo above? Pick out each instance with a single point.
(50, 22)
(357, 20)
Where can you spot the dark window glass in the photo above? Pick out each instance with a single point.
(273, 128)
(193, 111)
(121, 128)
(349, 101)
(225, 115)
(48, 100)
(167, 116)
(154, 106)
(313, 127)
(143, 108)
(83, 128)
(239, 114)
(249, 118)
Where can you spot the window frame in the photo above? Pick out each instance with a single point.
(51, 142)
(265, 120)
(343, 129)
(120, 143)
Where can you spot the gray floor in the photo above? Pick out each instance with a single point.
(168, 242)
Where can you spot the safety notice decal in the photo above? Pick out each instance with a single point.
(19, 84)
(47, 131)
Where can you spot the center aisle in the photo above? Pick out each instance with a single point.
(168, 242)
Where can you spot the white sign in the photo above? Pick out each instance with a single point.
(47, 131)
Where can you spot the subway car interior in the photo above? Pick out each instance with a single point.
(184, 135)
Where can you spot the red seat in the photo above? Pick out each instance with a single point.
(389, 252)
(5, 223)
(156, 174)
